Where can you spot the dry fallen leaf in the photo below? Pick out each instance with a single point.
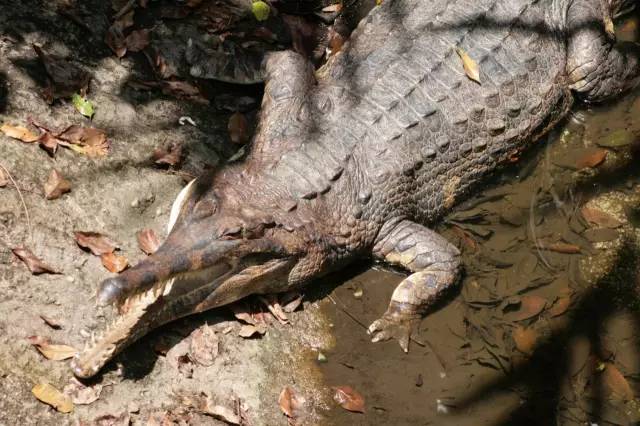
(593, 158)
(348, 398)
(52, 396)
(51, 351)
(183, 90)
(290, 403)
(56, 185)
(148, 241)
(291, 301)
(204, 346)
(241, 312)
(86, 140)
(170, 156)
(220, 412)
(600, 218)
(470, 66)
(271, 302)
(81, 394)
(617, 383)
(525, 339)
(65, 78)
(35, 265)
(249, 330)
(95, 242)
(113, 262)
(337, 7)
(238, 127)
(51, 322)
(19, 132)
(530, 306)
(137, 40)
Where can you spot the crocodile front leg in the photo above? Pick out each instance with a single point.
(434, 264)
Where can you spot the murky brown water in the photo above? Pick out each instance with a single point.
(545, 327)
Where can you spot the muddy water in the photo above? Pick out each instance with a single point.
(544, 328)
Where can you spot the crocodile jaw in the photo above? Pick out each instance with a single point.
(166, 301)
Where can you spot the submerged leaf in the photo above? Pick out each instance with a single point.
(617, 139)
(530, 306)
(470, 66)
(617, 383)
(289, 402)
(525, 339)
(599, 217)
(349, 399)
(52, 396)
(592, 158)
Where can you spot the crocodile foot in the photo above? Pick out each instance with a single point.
(395, 324)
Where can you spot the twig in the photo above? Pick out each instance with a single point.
(24, 205)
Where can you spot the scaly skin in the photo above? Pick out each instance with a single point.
(359, 158)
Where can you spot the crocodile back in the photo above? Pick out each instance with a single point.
(395, 126)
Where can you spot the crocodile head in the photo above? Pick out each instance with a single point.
(209, 259)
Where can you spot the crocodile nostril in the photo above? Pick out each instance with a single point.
(110, 291)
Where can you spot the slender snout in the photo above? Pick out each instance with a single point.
(169, 261)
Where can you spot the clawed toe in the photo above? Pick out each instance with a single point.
(393, 326)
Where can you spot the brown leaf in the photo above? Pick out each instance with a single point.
(50, 143)
(593, 158)
(51, 322)
(51, 351)
(274, 307)
(336, 40)
(56, 185)
(114, 263)
(137, 40)
(348, 398)
(19, 132)
(238, 127)
(530, 306)
(599, 218)
(35, 265)
(291, 302)
(525, 339)
(616, 382)
(52, 396)
(204, 346)
(241, 312)
(122, 419)
(95, 242)
(148, 241)
(81, 394)
(470, 66)
(250, 330)
(220, 412)
(85, 136)
(65, 78)
(183, 90)
(290, 403)
(333, 8)
(170, 156)
(116, 40)
(560, 306)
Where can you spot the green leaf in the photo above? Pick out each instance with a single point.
(83, 105)
(260, 10)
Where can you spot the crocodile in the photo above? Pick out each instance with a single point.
(362, 156)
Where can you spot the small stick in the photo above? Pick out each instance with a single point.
(24, 205)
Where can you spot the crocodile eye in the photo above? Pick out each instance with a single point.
(204, 208)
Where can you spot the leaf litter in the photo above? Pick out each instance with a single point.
(35, 265)
(48, 394)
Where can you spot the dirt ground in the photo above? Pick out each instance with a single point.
(117, 195)
(534, 336)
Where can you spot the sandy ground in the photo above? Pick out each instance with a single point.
(118, 195)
